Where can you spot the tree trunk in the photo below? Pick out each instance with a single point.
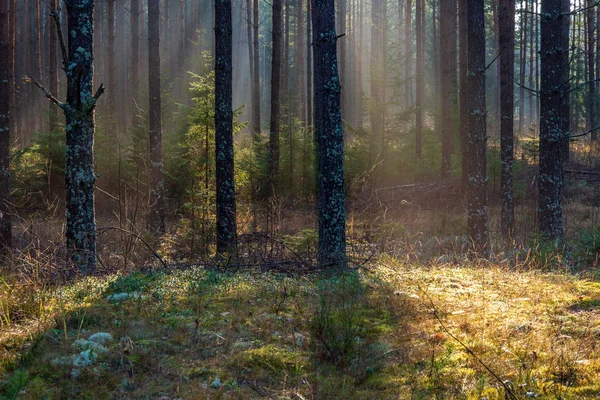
(135, 47)
(156, 213)
(256, 77)
(523, 54)
(275, 94)
(420, 28)
(377, 67)
(591, 120)
(111, 84)
(6, 80)
(464, 93)
(566, 106)
(506, 22)
(408, 54)
(79, 112)
(448, 81)
(329, 138)
(477, 197)
(225, 183)
(300, 63)
(551, 123)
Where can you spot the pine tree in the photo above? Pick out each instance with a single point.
(156, 216)
(477, 197)
(329, 138)
(226, 208)
(506, 22)
(552, 92)
(5, 96)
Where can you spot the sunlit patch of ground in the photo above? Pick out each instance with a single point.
(394, 331)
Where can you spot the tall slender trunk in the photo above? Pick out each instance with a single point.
(506, 22)
(592, 120)
(566, 106)
(156, 213)
(522, 64)
(226, 208)
(448, 81)
(256, 76)
(477, 197)
(79, 116)
(275, 97)
(111, 84)
(551, 123)
(408, 54)
(6, 81)
(532, 35)
(300, 64)
(420, 81)
(464, 92)
(377, 128)
(135, 47)
(329, 139)
(342, 52)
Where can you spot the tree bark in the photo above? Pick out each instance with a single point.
(477, 197)
(135, 47)
(523, 54)
(156, 215)
(225, 183)
(275, 97)
(464, 93)
(551, 123)
(591, 120)
(79, 112)
(448, 81)
(6, 81)
(329, 138)
(506, 22)
(420, 81)
(377, 123)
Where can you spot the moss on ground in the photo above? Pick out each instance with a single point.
(202, 334)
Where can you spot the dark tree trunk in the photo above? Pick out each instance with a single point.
(448, 81)
(532, 34)
(254, 126)
(256, 77)
(341, 20)
(52, 67)
(111, 84)
(275, 97)
(523, 53)
(377, 123)
(300, 63)
(477, 197)
(420, 81)
(566, 106)
(329, 138)
(506, 22)
(135, 47)
(551, 124)
(591, 120)
(226, 209)
(79, 112)
(156, 216)
(464, 93)
(408, 54)
(6, 80)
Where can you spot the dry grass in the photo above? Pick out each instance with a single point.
(257, 332)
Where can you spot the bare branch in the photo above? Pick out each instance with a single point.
(494, 60)
(584, 133)
(533, 92)
(55, 14)
(99, 93)
(581, 9)
(46, 92)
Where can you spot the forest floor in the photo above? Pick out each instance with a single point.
(390, 331)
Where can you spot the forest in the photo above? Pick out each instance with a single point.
(300, 199)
